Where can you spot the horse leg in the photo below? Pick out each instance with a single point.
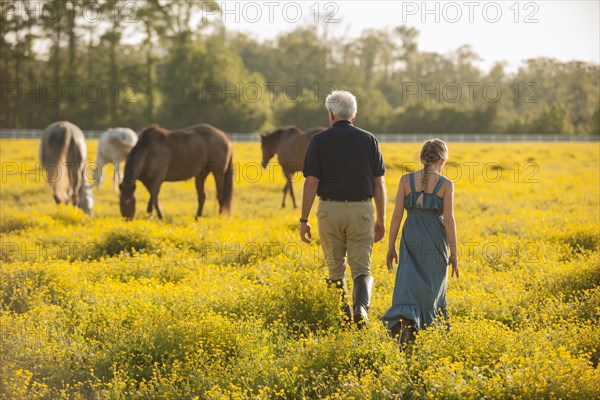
(157, 208)
(150, 205)
(200, 179)
(99, 171)
(220, 184)
(285, 190)
(291, 188)
(154, 189)
(116, 177)
(148, 186)
(288, 188)
(76, 183)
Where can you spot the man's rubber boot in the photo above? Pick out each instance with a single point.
(363, 285)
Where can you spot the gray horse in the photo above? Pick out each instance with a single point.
(63, 155)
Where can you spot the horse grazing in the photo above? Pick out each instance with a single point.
(161, 155)
(63, 155)
(290, 144)
(113, 147)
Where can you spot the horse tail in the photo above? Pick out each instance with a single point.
(76, 158)
(53, 157)
(122, 138)
(128, 137)
(227, 195)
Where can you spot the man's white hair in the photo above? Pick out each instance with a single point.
(341, 103)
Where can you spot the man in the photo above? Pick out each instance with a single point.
(344, 166)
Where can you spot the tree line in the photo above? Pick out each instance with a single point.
(59, 60)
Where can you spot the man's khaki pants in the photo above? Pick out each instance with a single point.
(346, 228)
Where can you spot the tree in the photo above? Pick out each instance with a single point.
(595, 123)
(553, 120)
(212, 86)
(153, 26)
(182, 72)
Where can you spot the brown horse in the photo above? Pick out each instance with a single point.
(289, 143)
(161, 155)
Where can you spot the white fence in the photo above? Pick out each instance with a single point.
(383, 137)
(37, 133)
(483, 137)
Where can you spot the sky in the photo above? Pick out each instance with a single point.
(509, 31)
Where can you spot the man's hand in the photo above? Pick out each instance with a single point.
(379, 230)
(305, 232)
(308, 197)
(380, 199)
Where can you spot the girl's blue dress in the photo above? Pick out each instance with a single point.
(422, 276)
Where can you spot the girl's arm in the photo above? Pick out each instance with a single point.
(450, 225)
(395, 223)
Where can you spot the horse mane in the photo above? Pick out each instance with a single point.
(133, 163)
(154, 130)
(137, 155)
(291, 129)
(313, 131)
(283, 130)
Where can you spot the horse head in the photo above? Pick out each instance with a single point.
(86, 198)
(127, 200)
(269, 144)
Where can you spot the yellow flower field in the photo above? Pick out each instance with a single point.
(99, 308)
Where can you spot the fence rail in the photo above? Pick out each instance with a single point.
(484, 137)
(383, 137)
(91, 134)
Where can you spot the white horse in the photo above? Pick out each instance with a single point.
(113, 147)
(63, 156)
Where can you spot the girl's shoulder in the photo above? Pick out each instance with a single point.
(415, 174)
(405, 178)
(447, 181)
(443, 185)
(446, 185)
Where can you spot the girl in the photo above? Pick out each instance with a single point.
(422, 277)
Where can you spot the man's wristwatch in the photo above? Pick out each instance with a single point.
(303, 221)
